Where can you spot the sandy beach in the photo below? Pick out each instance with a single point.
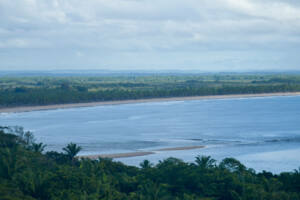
(139, 153)
(117, 155)
(102, 103)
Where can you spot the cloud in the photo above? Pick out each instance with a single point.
(150, 27)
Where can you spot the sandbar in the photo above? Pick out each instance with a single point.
(139, 153)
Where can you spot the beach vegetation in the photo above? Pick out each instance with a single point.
(72, 150)
(29, 174)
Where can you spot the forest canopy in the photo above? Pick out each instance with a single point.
(27, 172)
(47, 90)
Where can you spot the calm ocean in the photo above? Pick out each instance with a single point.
(263, 133)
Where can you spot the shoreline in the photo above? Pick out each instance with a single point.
(139, 153)
(118, 102)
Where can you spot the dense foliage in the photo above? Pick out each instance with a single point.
(27, 174)
(19, 91)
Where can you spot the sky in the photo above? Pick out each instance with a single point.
(205, 35)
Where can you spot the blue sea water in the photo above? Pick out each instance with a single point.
(263, 133)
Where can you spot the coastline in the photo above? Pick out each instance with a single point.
(118, 102)
(139, 153)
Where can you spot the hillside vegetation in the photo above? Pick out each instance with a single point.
(26, 173)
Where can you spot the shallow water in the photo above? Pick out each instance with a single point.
(263, 133)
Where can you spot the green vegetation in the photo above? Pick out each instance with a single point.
(27, 174)
(20, 91)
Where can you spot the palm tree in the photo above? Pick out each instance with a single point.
(205, 162)
(72, 150)
(38, 147)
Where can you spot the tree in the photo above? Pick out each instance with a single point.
(205, 162)
(232, 164)
(146, 164)
(38, 147)
(25, 137)
(72, 150)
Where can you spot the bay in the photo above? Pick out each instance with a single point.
(263, 133)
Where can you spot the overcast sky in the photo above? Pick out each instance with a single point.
(216, 35)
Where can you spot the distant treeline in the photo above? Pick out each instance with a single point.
(26, 173)
(57, 90)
